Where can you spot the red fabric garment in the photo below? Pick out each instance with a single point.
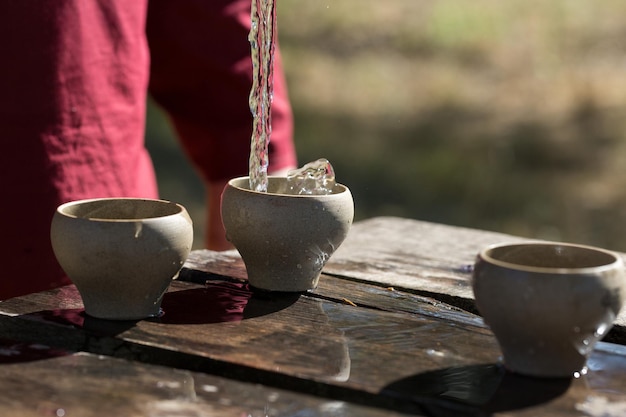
(73, 88)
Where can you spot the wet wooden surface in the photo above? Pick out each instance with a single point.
(429, 259)
(39, 381)
(362, 342)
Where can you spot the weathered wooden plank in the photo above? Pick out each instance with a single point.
(204, 265)
(224, 321)
(39, 381)
(430, 259)
(319, 345)
(433, 259)
(412, 254)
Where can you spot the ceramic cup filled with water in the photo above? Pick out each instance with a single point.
(548, 303)
(286, 234)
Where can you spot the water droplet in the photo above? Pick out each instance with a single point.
(138, 229)
(582, 372)
(168, 384)
(601, 330)
(314, 178)
(434, 352)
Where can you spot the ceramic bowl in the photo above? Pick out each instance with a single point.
(285, 240)
(121, 253)
(548, 303)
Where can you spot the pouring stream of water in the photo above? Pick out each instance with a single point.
(262, 42)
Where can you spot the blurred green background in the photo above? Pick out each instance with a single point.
(500, 115)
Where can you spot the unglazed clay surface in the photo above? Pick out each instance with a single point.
(121, 253)
(548, 303)
(285, 240)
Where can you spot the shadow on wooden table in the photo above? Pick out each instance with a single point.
(485, 388)
(220, 302)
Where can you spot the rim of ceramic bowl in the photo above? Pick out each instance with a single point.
(343, 189)
(61, 209)
(613, 260)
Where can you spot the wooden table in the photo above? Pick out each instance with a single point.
(390, 331)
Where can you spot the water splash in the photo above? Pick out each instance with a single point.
(314, 178)
(320, 256)
(261, 37)
(581, 373)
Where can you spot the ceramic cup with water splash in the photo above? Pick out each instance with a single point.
(548, 303)
(285, 239)
(121, 253)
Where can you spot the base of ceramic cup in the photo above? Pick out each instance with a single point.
(124, 317)
(276, 290)
(121, 309)
(272, 281)
(544, 366)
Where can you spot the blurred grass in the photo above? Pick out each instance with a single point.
(505, 116)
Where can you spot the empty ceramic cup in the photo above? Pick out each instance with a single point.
(285, 240)
(548, 303)
(121, 253)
